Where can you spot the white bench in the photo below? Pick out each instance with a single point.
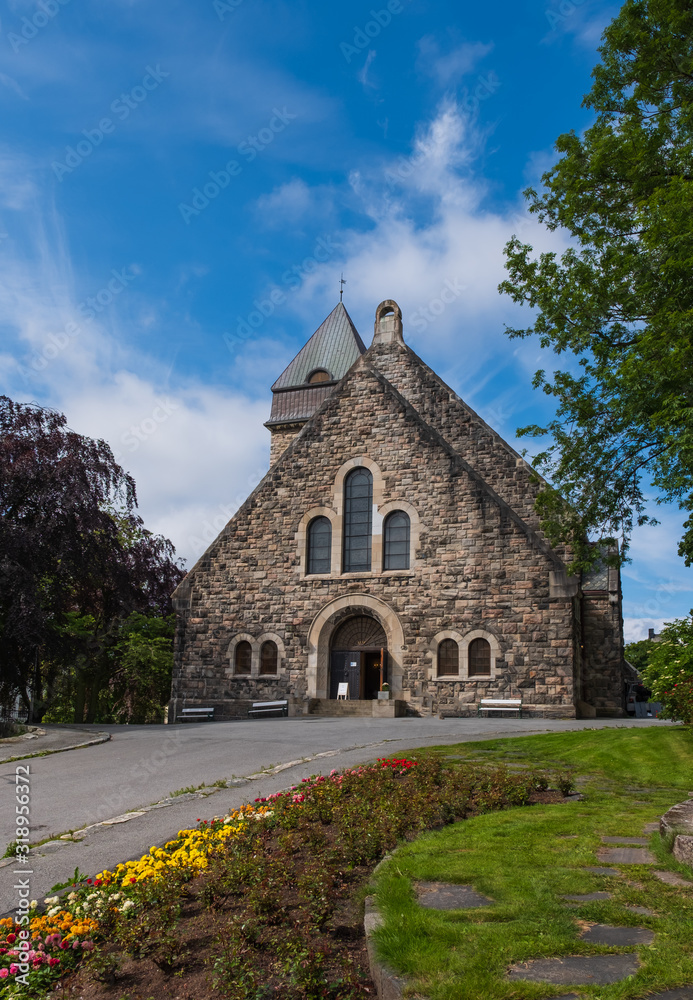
(500, 705)
(196, 715)
(269, 708)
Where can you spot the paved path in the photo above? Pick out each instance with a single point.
(41, 740)
(141, 766)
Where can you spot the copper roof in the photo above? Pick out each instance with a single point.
(334, 347)
(298, 404)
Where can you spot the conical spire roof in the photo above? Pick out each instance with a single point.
(334, 347)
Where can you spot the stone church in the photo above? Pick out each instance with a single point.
(393, 545)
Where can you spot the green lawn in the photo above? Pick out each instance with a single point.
(527, 858)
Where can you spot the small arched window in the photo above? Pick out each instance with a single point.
(319, 375)
(268, 658)
(243, 658)
(319, 553)
(479, 658)
(448, 658)
(358, 520)
(396, 547)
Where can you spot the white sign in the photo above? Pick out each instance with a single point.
(343, 692)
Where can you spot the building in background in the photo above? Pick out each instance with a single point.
(393, 541)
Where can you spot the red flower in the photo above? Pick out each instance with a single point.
(11, 938)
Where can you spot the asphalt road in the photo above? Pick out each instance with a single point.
(143, 765)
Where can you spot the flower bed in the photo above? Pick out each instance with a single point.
(256, 904)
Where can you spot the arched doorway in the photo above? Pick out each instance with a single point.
(358, 657)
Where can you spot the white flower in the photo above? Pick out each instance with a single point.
(115, 897)
(51, 900)
(33, 904)
(72, 896)
(52, 913)
(127, 905)
(93, 895)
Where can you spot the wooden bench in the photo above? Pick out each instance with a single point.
(268, 708)
(500, 705)
(196, 715)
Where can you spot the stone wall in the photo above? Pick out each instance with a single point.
(603, 676)
(478, 568)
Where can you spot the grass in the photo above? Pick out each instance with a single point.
(527, 858)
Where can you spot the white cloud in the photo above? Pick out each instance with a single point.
(452, 66)
(193, 450)
(635, 629)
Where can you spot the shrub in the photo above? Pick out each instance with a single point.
(669, 672)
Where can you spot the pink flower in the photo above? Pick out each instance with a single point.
(53, 962)
(14, 969)
(4, 973)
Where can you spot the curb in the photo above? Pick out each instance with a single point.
(388, 985)
(104, 738)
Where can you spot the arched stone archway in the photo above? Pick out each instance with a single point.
(330, 618)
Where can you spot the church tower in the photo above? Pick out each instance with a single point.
(311, 377)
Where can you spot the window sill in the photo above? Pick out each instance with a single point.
(369, 575)
(459, 679)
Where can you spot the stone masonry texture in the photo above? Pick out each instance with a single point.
(481, 563)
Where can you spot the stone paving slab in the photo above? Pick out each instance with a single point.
(587, 969)
(651, 827)
(627, 856)
(588, 897)
(671, 878)
(643, 841)
(618, 936)
(599, 870)
(448, 896)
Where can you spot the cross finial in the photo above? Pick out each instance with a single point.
(342, 283)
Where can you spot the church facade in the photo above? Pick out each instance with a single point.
(393, 542)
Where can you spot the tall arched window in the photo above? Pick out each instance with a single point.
(479, 658)
(319, 545)
(396, 547)
(244, 658)
(358, 520)
(448, 658)
(268, 657)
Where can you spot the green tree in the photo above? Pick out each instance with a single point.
(637, 653)
(669, 671)
(620, 298)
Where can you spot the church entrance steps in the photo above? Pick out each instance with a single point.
(391, 709)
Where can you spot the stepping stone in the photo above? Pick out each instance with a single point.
(651, 827)
(643, 841)
(446, 896)
(588, 969)
(597, 870)
(627, 856)
(641, 910)
(670, 878)
(588, 897)
(618, 936)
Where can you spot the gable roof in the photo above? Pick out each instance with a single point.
(334, 346)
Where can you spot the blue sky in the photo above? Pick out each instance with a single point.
(164, 167)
